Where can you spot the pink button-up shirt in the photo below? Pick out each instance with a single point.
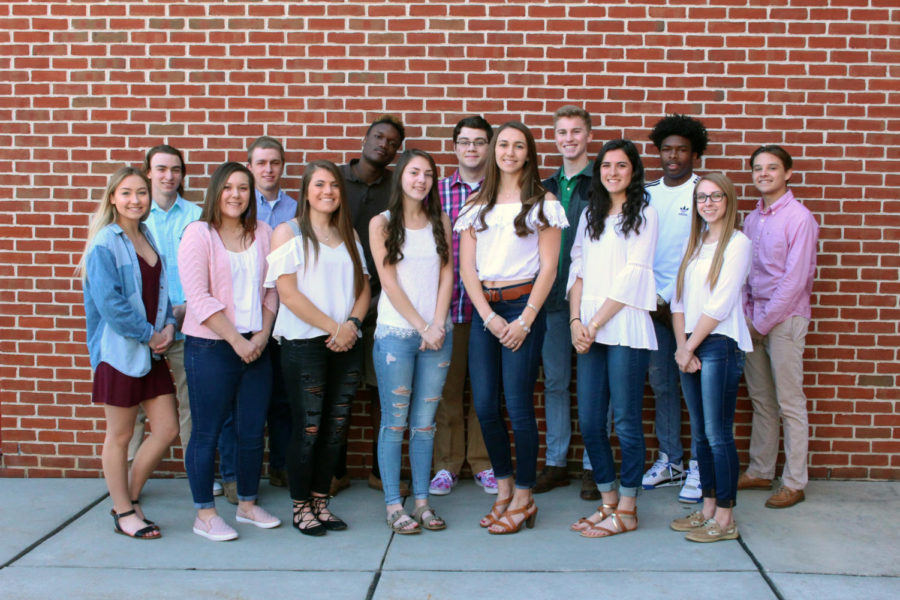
(206, 276)
(784, 239)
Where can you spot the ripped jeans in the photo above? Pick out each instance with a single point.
(320, 386)
(410, 384)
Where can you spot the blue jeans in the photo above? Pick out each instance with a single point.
(556, 355)
(613, 376)
(491, 365)
(711, 395)
(663, 374)
(279, 420)
(322, 385)
(410, 384)
(219, 384)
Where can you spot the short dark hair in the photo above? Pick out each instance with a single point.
(391, 120)
(166, 149)
(776, 151)
(474, 122)
(265, 142)
(683, 125)
(570, 110)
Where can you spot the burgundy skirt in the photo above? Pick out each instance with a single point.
(113, 387)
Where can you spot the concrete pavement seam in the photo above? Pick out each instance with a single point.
(761, 569)
(56, 530)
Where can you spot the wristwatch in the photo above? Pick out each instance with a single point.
(358, 324)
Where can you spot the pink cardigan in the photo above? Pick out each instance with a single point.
(206, 276)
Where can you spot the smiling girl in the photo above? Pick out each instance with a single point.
(222, 261)
(611, 294)
(508, 253)
(712, 336)
(129, 326)
(323, 286)
(410, 244)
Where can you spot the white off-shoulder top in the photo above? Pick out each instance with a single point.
(500, 254)
(723, 302)
(327, 282)
(620, 268)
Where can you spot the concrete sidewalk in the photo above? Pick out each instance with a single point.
(56, 541)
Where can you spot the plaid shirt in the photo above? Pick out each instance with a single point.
(454, 192)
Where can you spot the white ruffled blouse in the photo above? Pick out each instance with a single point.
(500, 254)
(620, 268)
(327, 282)
(723, 302)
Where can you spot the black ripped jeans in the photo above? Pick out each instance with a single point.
(321, 385)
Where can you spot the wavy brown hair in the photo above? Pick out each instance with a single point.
(531, 190)
(636, 197)
(212, 212)
(396, 228)
(340, 219)
(698, 227)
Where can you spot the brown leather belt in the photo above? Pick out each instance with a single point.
(509, 293)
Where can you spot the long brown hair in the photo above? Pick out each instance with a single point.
(532, 192)
(212, 212)
(396, 228)
(698, 226)
(339, 219)
(106, 211)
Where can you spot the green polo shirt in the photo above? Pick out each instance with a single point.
(567, 186)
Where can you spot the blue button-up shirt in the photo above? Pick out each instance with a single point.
(167, 226)
(284, 209)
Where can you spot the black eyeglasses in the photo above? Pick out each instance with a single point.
(714, 197)
(465, 143)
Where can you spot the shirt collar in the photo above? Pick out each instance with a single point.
(777, 205)
(350, 174)
(154, 207)
(263, 200)
(455, 180)
(586, 171)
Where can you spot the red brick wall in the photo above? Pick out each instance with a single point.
(87, 86)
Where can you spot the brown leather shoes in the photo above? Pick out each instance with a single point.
(550, 478)
(785, 497)
(589, 489)
(745, 482)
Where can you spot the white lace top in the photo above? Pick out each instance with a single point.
(326, 282)
(620, 268)
(418, 273)
(501, 255)
(722, 303)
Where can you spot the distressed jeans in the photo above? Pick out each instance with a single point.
(410, 384)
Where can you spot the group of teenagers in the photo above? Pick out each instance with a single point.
(255, 303)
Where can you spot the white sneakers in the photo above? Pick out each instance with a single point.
(663, 473)
(691, 492)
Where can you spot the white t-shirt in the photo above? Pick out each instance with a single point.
(619, 268)
(244, 282)
(500, 254)
(722, 303)
(327, 282)
(673, 205)
(418, 274)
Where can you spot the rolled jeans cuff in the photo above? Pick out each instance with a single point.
(611, 486)
(202, 505)
(631, 492)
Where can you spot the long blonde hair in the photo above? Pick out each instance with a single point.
(698, 226)
(106, 212)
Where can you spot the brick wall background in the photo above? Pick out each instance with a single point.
(87, 86)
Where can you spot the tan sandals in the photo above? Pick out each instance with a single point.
(491, 518)
(435, 523)
(595, 531)
(400, 526)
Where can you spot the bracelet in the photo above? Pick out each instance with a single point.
(524, 326)
(594, 325)
(427, 325)
(337, 331)
(531, 306)
(488, 320)
(573, 319)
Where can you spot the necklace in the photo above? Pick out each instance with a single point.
(326, 238)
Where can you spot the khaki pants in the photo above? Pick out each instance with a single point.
(450, 447)
(774, 374)
(175, 358)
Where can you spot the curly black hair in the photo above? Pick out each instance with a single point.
(636, 197)
(683, 125)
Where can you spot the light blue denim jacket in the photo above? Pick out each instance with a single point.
(118, 331)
